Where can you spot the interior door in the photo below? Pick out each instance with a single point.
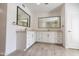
(72, 26)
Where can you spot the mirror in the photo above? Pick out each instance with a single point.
(49, 22)
(23, 19)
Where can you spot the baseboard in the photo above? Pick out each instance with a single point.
(49, 43)
(73, 48)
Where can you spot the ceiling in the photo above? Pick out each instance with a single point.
(42, 7)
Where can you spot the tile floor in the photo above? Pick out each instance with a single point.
(43, 49)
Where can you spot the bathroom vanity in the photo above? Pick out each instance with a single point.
(27, 37)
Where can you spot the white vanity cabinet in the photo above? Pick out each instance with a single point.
(50, 37)
(30, 38)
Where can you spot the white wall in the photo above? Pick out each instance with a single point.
(3, 9)
(11, 28)
(72, 25)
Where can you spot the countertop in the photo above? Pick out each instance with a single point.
(20, 28)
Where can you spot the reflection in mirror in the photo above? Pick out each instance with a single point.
(23, 19)
(49, 22)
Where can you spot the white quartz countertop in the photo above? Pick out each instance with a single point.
(20, 28)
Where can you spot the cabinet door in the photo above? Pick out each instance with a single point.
(44, 36)
(29, 35)
(52, 37)
(33, 37)
(41, 37)
(29, 38)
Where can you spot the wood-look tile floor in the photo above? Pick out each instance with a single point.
(43, 49)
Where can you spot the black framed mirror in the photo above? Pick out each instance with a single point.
(23, 19)
(52, 22)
